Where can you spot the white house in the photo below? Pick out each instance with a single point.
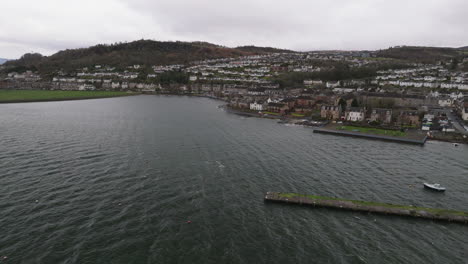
(464, 113)
(258, 106)
(344, 90)
(355, 114)
(445, 102)
(115, 85)
(333, 84)
(273, 100)
(312, 82)
(87, 87)
(463, 86)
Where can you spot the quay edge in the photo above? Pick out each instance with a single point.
(370, 207)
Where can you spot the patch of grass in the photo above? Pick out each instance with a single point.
(297, 115)
(270, 113)
(375, 131)
(46, 95)
(387, 205)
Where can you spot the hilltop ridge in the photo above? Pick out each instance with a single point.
(136, 52)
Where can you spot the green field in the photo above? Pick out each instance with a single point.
(7, 96)
(374, 131)
(297, 115)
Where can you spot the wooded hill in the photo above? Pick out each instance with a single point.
(423, 54)
(144, 52)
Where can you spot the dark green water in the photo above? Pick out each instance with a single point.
(116, 180)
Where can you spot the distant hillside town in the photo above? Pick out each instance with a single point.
(372, 87)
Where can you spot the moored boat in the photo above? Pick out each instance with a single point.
(434, 186)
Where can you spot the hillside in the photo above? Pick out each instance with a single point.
(138, 52)
(2, 60)
(260, 50)
(420, 54)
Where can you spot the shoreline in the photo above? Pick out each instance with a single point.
(320, 129)
(18, 101)
(317, 128)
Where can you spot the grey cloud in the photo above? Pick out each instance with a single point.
(50, 25)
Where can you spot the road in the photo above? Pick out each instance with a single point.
(456, 121)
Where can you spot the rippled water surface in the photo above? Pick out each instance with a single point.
(116, 180)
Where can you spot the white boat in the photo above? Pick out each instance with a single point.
(435, 187)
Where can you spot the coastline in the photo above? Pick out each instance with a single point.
(369, 136)
(320, 128)
(16, 101)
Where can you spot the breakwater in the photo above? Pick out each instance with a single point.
(371, 207)
(369, 136)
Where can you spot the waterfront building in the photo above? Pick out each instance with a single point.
(355, 114)
(330, 112)
(381, 115)
(258, 106)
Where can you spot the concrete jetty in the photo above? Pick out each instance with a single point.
(371, 207)
(369, 136)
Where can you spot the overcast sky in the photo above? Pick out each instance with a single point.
(46, 26)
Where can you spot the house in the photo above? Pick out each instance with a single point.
(303, 109)
(310, 83)
(409, 118)
(445, 101)
(304, 101)
(256, 91)
(381, 115)
(333, 84)
(462, 107)
(87, 87)
(290, 102)
(465, 113)
(343, 90)
(278, 108)
(115, 85)
(258, 106)
(330, 112)
(269, 100)
(355, 114)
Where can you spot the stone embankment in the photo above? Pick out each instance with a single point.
(370, 207)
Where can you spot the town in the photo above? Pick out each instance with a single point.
(299, 86)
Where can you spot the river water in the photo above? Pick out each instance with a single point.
(117, 180)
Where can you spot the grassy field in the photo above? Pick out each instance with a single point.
(364, 203)
(297, 115)
(271, 113)
(7, 96)
(374, 131)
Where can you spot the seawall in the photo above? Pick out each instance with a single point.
(376, 137)
(370, 207)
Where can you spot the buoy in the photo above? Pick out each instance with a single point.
(189, 222)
